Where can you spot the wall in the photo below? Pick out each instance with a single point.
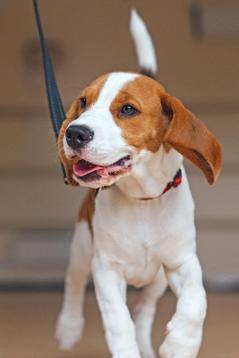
(88, 39)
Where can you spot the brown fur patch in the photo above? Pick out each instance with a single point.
(147, 129)
(65, 161)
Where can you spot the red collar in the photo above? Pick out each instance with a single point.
(177, 180)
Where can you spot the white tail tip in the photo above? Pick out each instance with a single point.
(143, 43)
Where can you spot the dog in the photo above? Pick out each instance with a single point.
(125, 137)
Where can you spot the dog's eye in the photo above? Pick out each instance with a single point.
(83, 102)
(128, 111)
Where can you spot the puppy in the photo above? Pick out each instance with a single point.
(126, 134)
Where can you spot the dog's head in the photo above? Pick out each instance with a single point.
(120, 116)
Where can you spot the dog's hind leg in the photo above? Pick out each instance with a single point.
(70, 322)
(144, 312)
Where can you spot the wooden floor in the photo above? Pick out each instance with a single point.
(27, 323)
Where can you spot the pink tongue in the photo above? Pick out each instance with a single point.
(83, 168)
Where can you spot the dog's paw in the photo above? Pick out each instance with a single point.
(69, 331)
(177, 345)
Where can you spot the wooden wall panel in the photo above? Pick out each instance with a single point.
(38, 203)
(92, 38)
(98, 41)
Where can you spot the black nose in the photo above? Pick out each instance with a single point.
(78, 136)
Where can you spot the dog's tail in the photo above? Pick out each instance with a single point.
(144, 45)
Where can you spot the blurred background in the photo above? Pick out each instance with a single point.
(198, 53)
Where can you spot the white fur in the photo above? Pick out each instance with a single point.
(143, 43)
(71, 321)
(159, 170)
(114, 84)
(144, 312)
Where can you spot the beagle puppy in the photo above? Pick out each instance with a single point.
(127, 135)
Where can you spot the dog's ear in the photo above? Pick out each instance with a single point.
(190, 137)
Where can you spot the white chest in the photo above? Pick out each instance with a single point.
(138, 236)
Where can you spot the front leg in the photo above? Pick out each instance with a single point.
(110, 289)
(144, 312)
(71, 321)
(184, 331)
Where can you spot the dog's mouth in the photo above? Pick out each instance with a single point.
(88, 171)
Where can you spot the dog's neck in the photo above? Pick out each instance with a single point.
(152, 173)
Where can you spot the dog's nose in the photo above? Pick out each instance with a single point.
(78, 136)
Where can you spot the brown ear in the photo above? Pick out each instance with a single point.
(189, 136)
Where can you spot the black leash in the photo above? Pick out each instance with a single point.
(54, 100)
